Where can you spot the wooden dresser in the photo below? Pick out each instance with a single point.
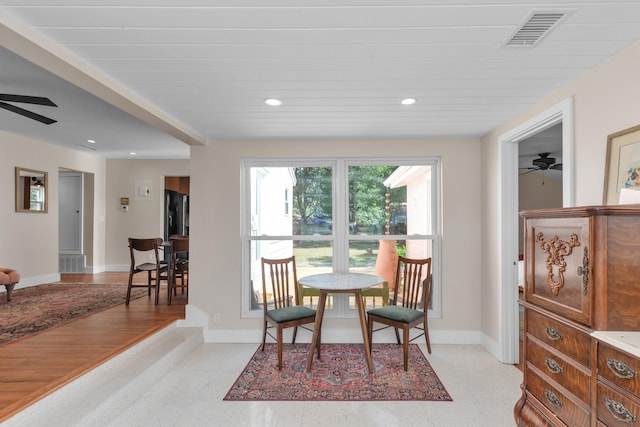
(582, 274)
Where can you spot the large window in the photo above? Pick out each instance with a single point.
(340, 215)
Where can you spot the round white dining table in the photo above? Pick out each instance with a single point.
(328, 283)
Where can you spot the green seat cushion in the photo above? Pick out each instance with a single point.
(397, 313)
(293, 312)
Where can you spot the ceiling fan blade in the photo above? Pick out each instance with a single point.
(557, 166)
(529, 170)
(27, 113)
(38, 100)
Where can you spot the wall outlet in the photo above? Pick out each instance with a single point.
(217, 318)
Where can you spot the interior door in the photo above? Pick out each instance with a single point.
(70, 212)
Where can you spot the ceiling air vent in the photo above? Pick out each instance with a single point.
(534, 29)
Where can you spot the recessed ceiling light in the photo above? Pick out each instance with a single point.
(132, 153)
(408, 101)
(91, 141)
(273, 102)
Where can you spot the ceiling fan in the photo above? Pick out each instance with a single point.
(23, 99)
(543, 162)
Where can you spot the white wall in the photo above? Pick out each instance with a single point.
(145, 217)
(605, 101)
(30, 240)
(215, 256)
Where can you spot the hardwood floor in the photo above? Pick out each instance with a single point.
(37, 365)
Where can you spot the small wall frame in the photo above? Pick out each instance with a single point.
(32, 190)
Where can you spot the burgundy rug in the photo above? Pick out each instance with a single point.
(37, 308)
(341, 375)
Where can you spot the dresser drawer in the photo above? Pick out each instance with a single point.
(563, 338)
(560, 370)
(615, 409)
(568, 411)
(619, 368)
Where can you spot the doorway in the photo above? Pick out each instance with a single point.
(75, 221)
(508, 239)
(540, 175)
(70, 212)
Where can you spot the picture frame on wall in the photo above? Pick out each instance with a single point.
(622, 168)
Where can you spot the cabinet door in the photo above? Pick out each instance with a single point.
(617, 273)
(557, 276)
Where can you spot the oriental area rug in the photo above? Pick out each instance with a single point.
(341, 374)
(37, 308)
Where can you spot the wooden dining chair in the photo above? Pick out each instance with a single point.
(179, 264)
(409, 306)
(283, 310)
(145, 257)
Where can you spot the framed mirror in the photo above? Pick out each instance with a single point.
(31, 190)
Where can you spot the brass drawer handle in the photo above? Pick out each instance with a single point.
(552, 398)
(583, 270)
(553, 333)
(620, 369)
(619, 412)
(553, 366)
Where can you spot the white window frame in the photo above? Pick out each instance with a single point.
(340, 236)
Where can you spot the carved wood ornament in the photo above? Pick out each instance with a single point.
(556, 250)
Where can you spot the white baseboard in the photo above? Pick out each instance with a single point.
(492, 347)
(340, 335)
(354, 335)
(95, 269)
(117, 268)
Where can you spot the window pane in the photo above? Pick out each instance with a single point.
(378, 198)
(275, 190)
(312, 200)
(362, 256)
(362, 259)
(312, 257)
(380, 258)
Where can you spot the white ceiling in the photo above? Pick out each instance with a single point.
(201, 69)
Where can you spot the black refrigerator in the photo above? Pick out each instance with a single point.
(176, 213)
